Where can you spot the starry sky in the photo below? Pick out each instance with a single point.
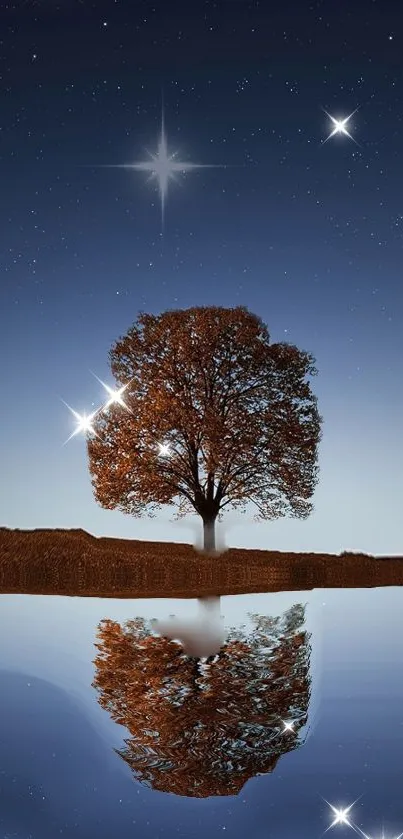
(307, 234)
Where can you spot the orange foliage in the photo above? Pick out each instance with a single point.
(197, 730)
(237, 412)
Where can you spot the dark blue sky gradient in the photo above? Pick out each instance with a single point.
(306, 235)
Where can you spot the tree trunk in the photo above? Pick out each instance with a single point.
(209, 607)
(209, 535)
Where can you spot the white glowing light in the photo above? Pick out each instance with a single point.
(288, 726)
(163, 449)
(84, 423)
(163, 166)
(340, 126)
(382, 835)
(115, 395)
(342, 816)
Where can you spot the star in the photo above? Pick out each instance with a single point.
(84, 423)
(340, 126)
(164, 449)
(288, 726)
(163, 166)
(115, 395)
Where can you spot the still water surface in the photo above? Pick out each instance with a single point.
(201, 751)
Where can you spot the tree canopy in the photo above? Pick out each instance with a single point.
(234, 417)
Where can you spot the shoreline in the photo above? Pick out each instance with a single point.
(75, 563)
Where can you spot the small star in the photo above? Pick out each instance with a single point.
(288, 726)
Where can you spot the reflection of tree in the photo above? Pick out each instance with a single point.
(201, 730)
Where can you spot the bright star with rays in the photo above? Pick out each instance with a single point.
(163, 449)
(288, 726)
(343, 819)
(342, 815)
(164, 166)
(340, 126)
(84, 423)
(115, 396)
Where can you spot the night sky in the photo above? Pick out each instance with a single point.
(307, 234)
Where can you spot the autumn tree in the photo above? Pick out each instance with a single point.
(216, 415)
(199, 730)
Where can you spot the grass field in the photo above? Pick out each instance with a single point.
(72, 562)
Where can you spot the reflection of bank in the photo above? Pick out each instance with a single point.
(202, 731)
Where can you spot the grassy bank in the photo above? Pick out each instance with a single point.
(72, 562)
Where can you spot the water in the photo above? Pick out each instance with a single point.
(68, 768)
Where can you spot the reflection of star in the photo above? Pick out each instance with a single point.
(163, 166)
(342, 816)
(364, 835)
(340, 126)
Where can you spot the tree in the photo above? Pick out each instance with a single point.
(200, 730)
(234, 416)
